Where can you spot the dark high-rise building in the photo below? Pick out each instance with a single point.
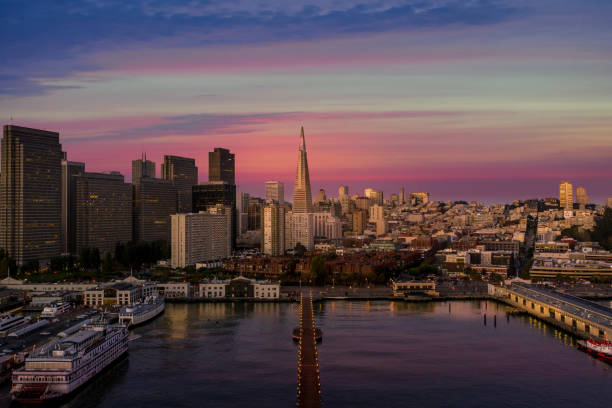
(103, 211)
(221, 166)
(183, 173)
(142, 168)
(31, 194)
(69, 172)
(210, 194)
(153, 202)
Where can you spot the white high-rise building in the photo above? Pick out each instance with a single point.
(201, 237)
(273, 230)
(327, 226)
(299, 227)
(566, 195)
(275, 192)
(377, 213)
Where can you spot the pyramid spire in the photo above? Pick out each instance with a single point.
(302, 140)
(302, 196)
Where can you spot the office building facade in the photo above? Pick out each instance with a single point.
(273, 230)
(69, 172)
(201, 237)
(183, 173)
(566, 195)
(275, 192)
(154, 200)
(221, 166)
(30, 194)
(142, 168)
(103, 211)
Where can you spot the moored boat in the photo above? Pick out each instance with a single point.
(60, 367)
(139, 313)
(599, 349)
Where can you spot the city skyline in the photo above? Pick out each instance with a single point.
(491, 101)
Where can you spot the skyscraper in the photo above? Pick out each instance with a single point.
(31, 194)
(221, 166)
(566, 196)
(302, 197)
(402, 198)
(275, 192)
(205, 236)
(581, 196)
(207, 195)
(183, 173)
(69, 172)
(273, 230)
(142, 168)
(375, 196)
(103, 211)
(154, 201)
(299, 229)
(320, 197)
(343, 191)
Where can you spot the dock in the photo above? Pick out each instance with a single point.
(309, 381)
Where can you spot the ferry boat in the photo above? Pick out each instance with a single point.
(133, 315)
(599, 349)
(10, 321)
(55, 309)
(63, 365)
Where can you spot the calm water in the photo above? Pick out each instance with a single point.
(387, 354)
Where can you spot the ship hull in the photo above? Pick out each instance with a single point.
(138, 320)
(602, 356)
(26, 392)
(62, 398)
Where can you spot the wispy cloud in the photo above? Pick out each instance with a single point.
(51, 39)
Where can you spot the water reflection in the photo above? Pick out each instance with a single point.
(432, 354)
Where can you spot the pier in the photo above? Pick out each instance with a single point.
(581, 317)
(309, 382)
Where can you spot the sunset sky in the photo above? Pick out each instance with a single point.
(491, 100)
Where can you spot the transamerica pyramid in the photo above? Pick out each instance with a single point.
(302, 197)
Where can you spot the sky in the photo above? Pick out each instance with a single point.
(489, 100)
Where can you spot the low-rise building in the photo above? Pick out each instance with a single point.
(414, 288)
(175, 290)
(214, 289)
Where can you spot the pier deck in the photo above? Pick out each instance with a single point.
(309, 383)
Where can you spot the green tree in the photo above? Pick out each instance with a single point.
(107, 264)
(85, 257)
(495, 277)
(603, 229)
(318, 270)
(300, 250)
(95, 258)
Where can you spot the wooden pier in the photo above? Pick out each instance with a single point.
(309, 382)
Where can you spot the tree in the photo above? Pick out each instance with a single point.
(603, 229)
(107, 263)
(31, 266)
(300, 250)
(85, 257)
(95, 258)
(495, 277)
(318, 270)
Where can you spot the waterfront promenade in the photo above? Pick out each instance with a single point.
(309, 383)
